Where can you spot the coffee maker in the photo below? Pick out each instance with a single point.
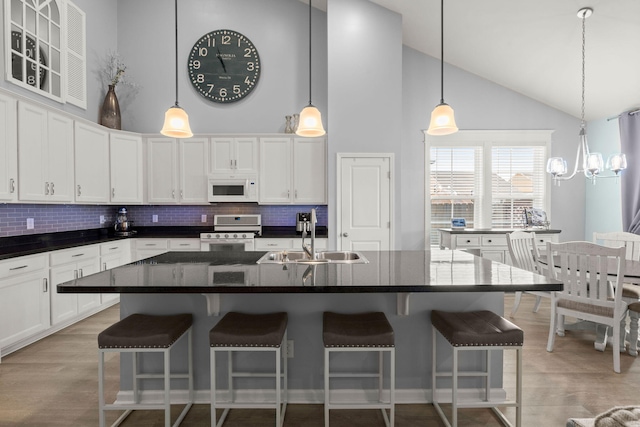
(303, 221)
(123, 227)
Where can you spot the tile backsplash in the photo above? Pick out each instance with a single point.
(53, 218)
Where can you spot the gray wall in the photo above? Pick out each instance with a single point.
(371, 102)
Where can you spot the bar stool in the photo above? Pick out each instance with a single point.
(142, 333)
(240, 332)
(476, 330)
(359, 332)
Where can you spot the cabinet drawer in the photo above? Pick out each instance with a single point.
(466, 241)
(184, 244)
(113, 247)
(74, 255)
(497, 240)
(271, 244)
(152, 244)
(541, 240)
(22, 265)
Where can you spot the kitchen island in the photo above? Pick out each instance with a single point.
(191, 281)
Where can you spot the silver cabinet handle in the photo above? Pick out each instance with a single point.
(45, 285)
(81, 273)
(345, 234)
(46, 188)
(230, 163)
(288, 193)
(76, 255)
(113, 192)
(173, 194)
(295, 194)
(12, 185)
(18, 268)
(79, 191)
(104, 266)
(75, 274)
(235, 163)
(52, 189)
(181, 195)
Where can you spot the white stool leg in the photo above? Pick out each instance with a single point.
(278, 391)
(326, 387)
(519, 387)
(134, 368)
(167, 388)
(392, 386)
(101, 387)
(212, 367)
(454, 389)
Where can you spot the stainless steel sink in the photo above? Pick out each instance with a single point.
(336, 257)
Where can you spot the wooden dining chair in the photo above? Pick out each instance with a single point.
(585, 270)
(525, 255)
(630, 291)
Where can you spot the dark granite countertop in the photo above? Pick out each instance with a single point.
(31, 244)
(237, 272)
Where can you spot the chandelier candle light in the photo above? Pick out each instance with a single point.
(592, 163)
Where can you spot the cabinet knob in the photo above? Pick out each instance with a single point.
(12, 185)
(345, 234)
(46, 188)
(52, 189)
(79, 190)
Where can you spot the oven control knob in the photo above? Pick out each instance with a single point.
(217, 236)
(244, 236)
(235, 236)
(208, 236)
(226, 236)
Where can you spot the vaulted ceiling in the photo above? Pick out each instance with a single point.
(534, 47)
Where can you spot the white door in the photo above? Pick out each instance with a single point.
(364, 199)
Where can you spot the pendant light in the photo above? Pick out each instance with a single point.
(176, 120)
(442, 120)
(592, 163)
(310, 123)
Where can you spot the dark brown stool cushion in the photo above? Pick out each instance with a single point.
(356, 330)
(634, 306)
(249, 330)
(476, 328)
(145, 331)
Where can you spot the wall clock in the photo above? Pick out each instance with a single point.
(30, 54)
(224, 66)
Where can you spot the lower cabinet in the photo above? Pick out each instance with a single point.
(112, 255)
(145, 248)
(24, 299)
(68, 265)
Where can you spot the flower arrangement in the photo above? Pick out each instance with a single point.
(114, 70)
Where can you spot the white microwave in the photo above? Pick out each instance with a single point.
(233, 188)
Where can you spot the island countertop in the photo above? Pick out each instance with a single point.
(433, 270)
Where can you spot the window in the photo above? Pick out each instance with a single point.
(486, 177)
(45, 48)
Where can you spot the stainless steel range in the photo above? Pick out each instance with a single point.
(232, 233)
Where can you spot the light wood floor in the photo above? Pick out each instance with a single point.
(54, 383)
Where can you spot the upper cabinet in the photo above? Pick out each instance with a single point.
(91, 163)
(45, 163)
(293, 170)
(177, 170)
(231, 155)
(8, 149)
(125, 153)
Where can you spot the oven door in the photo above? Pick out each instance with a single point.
(227, 245)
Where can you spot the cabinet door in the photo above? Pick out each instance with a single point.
(32, 149)
(309, 171)
(222, 155)
(275, 170)
(88, 302)
(8, 148)
(63, 306)
(24, 307)
(60, 157)
(246, 155)
(162, 165)
(91, 163)
(125, 153)
(193, 170)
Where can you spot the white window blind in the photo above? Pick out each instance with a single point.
(455, 186)
(518, 181)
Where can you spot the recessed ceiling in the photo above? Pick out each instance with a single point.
(534, 47)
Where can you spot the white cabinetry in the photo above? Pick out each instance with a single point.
(233, 155)
(145, 248)
(8, 148)
(125, 154)
(67, 265)
(112, 255)
(491, 244)
(187, 245)
(293, 170)
(45, 160)
(91, 163)
(24, 298)
(177, 170)
(275, 244)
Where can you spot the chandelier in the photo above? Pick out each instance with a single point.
(592, 163)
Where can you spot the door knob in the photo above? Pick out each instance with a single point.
(345, 234)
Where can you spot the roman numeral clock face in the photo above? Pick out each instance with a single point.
(224, 66)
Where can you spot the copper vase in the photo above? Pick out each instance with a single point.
(110, 116)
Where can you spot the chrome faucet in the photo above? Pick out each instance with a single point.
(310, 251)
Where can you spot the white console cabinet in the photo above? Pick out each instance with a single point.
(491, 244)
